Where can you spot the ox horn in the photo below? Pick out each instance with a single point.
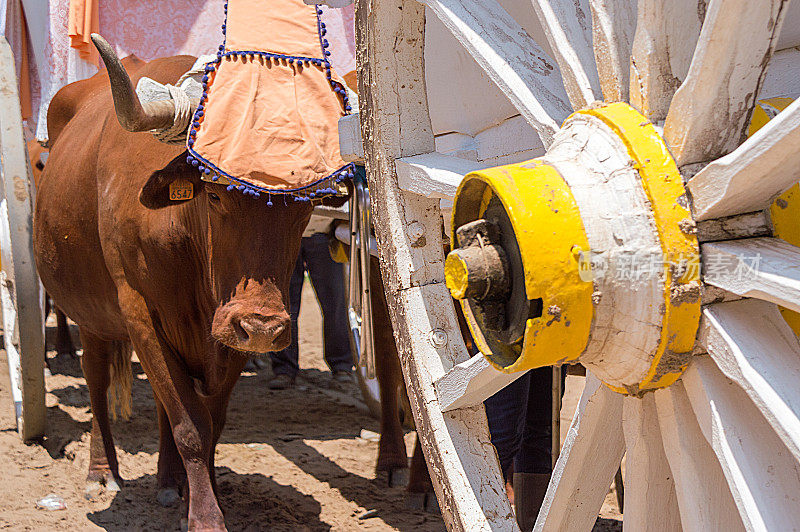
(132, 114)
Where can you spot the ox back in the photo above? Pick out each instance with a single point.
(195, 285)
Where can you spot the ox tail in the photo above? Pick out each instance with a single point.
(119, 393)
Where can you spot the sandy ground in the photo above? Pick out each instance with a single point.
(289, 460)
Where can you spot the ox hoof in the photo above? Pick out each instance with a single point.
(168, 497)
(398, 478)
(425, 502)
(93, 490)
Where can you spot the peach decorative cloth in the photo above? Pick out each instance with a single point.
(84, 19)
(267, 121)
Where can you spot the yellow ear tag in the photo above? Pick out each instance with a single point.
(181, 191)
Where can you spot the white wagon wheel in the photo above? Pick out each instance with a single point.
(716, 446)
(20, 289)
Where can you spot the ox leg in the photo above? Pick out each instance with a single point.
(103, 466)
(392, 455)
(188, 416)
(171, 473)
(64, 345)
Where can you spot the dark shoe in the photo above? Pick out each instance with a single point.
(281, 381)
(529, 492)
(342, 376)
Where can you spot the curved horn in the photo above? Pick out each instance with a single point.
(132, 114)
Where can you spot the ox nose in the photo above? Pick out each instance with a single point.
(261, 334)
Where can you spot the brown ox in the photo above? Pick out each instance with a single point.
(193, 285)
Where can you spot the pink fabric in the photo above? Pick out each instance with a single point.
(147, 28)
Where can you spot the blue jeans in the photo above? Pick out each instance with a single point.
(520, 422)
(327, 278)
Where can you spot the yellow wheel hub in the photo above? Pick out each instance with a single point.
(542, 231)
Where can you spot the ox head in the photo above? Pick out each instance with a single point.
(250, 248)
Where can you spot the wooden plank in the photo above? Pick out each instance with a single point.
(470, 383)
(704, 499)
(395, 123)
(590, 457)
(568, 28)
(754, 347)
(351, 146)
(764, 268)
(433, 175)
(666, 36)
(763, 477)
(613, 27)
(650, 499)
(20, 271)
(754, 174)
(711, 110)
(511, 59)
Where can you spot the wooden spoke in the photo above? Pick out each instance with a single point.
(613, 26)
(510, 57)
(762, 475)
(471, 383)
(568, 29)
(396, 123)
(765, 268)
(21, 289)
(750, 177)
(589, 458)
(666, 36)
(433, 175)
(704, 499)
(650, 499)
(755, 348)
(710, 112)
(351, 146)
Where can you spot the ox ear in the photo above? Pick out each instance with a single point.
(178, 182)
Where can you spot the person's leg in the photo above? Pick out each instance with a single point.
(327, 278)
(533, 462)
(505, 412)
(285, 362)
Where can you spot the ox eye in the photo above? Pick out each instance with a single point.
(213, 197)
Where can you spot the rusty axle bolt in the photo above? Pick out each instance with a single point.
(478, 269)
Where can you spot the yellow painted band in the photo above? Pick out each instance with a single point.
(663, 186)
(456, 276)
(785, 210)
(547, 225)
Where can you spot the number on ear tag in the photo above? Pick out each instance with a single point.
(180, 191)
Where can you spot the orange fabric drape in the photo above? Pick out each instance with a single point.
(84, 19)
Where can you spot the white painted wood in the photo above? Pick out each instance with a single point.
(711, 110)
(746, 225)
(619, 225)
(754, 347)
(750, 177)
(764, 268)
(395, 123)
(613, 27)
(589, 458)
(568, 27)
(704, 499)
(790, 33)
(650, 499)
(433, 175)
(22, 281)
(783, 71)
(470, 383)
(351, 146)
(764, 478)
(508, 55)
(666, 36)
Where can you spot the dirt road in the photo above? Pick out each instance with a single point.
(290, 460)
